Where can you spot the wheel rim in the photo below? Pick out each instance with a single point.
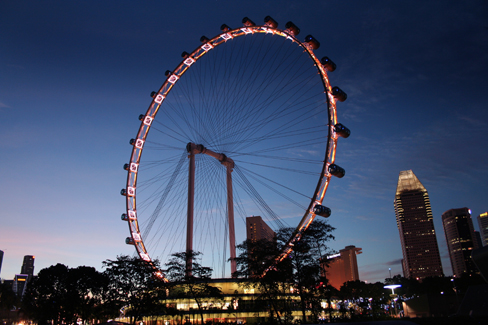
(193, 105)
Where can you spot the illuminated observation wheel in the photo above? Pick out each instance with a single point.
(245, 125)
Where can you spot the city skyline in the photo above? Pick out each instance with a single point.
(75, 77)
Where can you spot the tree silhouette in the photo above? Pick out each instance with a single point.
(8, 301)
(60, 295)
(134, 284)
(195, 281)
(305, 261)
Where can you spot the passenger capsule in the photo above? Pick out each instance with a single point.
(339, 94)
(328, 64)
(153, 94)
(248, 22)
(342, 130)
(185, 54)
(225, 28)
(129, 241)
(270, 22)
(123, 192)
(337, 171)
(310, 40)
(126, 166)
(132, 142)
(291, 28)
(322, 211)
(204, 39)
(124, 217)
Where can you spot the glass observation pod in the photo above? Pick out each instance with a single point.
(337, 171)
(322, 211)
(328, 64)
(310, 40)
(339, 94)
(341, 130)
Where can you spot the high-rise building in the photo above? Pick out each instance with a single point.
(483, 223)
(459, 231)
(343, 266)
(477, 238)
(19, 284)
(257, 229)
(415, 223)
(28, 266)
(1, 260)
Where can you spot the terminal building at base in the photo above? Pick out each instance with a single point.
(238, 305)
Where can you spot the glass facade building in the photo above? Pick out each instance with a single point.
(459, 231)
(483, 223)
(415, 223)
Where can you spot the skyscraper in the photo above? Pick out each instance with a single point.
(257, 229)
(28, 266)
(459, 231)
(19, 284)
(477, 238)
(483, 223)
(416, 226)
(343, 267)
(1, 260)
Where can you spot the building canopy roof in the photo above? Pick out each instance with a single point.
(407, 181)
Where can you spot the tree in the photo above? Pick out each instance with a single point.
(194, 281)
(325, 290)
(305, 260)
(257, 268)
(86, 289)
(8, 301)
(8, 298)
(45, 297)
(62, 295)
(134, 283)
(253, 260)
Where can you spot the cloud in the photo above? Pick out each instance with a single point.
(364, 218)
(394, 262)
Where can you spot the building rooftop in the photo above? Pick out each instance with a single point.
(407, 181)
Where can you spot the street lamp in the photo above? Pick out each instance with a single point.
(393, 295)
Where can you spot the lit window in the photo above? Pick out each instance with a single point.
(173, 79)
(139, 143)
(189, 61)
(207, 47)
(226, 36)
(148, 120)
(132, 215)
(159, 99)
(134, 167)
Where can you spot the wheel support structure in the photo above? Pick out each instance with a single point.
(229, 165)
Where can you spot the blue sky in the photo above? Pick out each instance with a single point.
(74, 76)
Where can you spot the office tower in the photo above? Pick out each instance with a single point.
(459, 231)
(1, 260)
(415, 223)
(342, 267)
(28, 266)
(257, 229)
(483, 223)
(477, 239)
(19, 284)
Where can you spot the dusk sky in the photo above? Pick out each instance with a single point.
(75, 75)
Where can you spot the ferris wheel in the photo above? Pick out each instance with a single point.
(245, 125)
